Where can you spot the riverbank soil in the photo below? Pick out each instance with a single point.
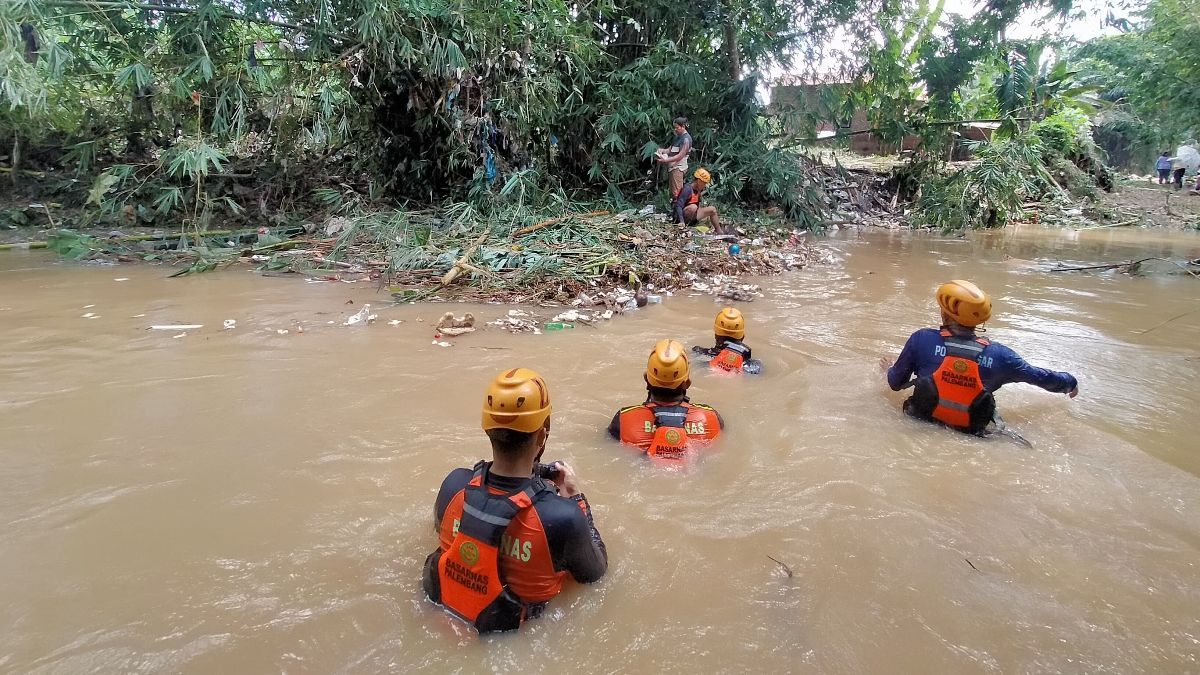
(1155, 205)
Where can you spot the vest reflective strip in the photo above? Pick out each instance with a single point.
(953, 406)
(669, 418)
(964, 350)
(485, 517)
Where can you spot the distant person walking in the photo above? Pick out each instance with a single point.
(1186, 158)
(1164, 168)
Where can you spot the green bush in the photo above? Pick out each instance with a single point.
(1066, 131)
(990, 192)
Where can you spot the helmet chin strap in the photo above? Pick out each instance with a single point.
(545, 440)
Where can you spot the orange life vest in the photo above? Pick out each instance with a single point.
(668, 431)
(958, 381)
(469, 583)
(694, 198)
(730, 359)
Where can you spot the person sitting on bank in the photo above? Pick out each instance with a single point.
(689, 210)
(958, 372)
(667, 424)
(675, 158)
(511, 531)
(730, 354)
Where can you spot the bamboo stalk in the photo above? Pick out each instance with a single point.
(461, 263)
(154, 237)
(22, 245)
(1124, 223)
(547, 223)
(27, 172)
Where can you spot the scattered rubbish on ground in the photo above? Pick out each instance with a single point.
(282, 331)
(183, 334)
(364, 316)
(442, 344)
(740, 292)
(230, 323)
(176, 326)
(90, 315)
(454, 326)
(122, 279)
(393, 322)
(597, 263)
(518, 321)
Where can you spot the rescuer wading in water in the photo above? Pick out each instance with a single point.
(511, 530)
(957, 371)
(667, 423)
(730, 354)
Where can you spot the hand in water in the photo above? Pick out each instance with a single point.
(566, 480)
(1073, 393)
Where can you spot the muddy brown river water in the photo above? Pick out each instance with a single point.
(248, 502)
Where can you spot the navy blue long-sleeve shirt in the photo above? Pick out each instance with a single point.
(998, 365)
(685, 196)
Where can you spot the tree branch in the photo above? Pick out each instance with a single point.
(916, 130)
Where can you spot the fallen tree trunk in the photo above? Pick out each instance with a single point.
(1124, 266)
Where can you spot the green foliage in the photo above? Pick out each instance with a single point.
(990, 192)
(1149, 74)
(422, 100)
(72, 245)
(1066, 132)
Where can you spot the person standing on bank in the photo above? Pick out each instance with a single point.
(511, 530)
(675, 158)
(1164, 168)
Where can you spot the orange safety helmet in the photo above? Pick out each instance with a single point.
(704, 175)
(667, 366)
(517, 399)
(963, 302)
(730, 323)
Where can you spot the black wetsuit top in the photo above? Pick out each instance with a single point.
(713, 351)
(749, 365)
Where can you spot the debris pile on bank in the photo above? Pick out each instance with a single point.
(597, 262)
